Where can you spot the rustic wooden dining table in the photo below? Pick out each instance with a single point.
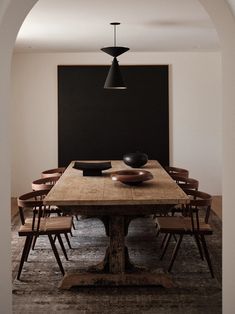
(115, 204)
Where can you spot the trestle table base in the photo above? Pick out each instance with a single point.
(124, 279)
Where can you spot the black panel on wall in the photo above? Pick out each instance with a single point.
(95, 123)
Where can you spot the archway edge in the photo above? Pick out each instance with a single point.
(12, 15)
(224, 22)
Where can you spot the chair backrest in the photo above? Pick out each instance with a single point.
(186, 183)
(44, 183)
(53, 172)
(177, 171)
(199, 201)
(34, 201)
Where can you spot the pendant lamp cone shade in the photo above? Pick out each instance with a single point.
(114, 78)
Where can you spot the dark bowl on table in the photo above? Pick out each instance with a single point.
(92, 168)
(135, 160)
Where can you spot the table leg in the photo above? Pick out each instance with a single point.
(117, 245)
(116, 269)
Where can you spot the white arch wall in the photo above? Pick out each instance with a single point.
(11, 16)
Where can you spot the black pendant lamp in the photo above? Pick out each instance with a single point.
(114, 78)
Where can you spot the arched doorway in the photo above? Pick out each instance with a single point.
(11, 17)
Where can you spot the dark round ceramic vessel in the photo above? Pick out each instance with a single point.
(135, 160)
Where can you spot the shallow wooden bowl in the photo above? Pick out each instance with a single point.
(131, 177)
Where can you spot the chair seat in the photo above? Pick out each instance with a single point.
(181, 225)
(51, 225)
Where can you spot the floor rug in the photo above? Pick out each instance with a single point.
(195, 293)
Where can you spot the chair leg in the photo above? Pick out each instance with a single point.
(67, 239)
(174, 236)
(167, 241)
(176, 249)
(34, 242)
(207, 256)
(23, 256)
(158, 232)
(29, 246)
(62, 246)
(163, 240)
(56, 254)
(199, 246)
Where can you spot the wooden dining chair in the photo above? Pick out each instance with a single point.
(185, 182)
(177, 171)
(194, 222)
(55, 172)
(45, 184)
(35, 223)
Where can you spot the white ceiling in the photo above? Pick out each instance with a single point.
(232, 5)
(146, 25)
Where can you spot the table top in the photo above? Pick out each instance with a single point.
(75, 189)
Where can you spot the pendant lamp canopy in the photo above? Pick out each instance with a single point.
(115, 51)
(114, 78)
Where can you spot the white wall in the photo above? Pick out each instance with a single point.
(195, 112)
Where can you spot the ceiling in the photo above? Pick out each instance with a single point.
(150, 25)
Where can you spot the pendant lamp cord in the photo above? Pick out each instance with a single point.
(114, 35)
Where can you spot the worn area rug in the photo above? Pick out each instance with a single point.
(196, 291)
